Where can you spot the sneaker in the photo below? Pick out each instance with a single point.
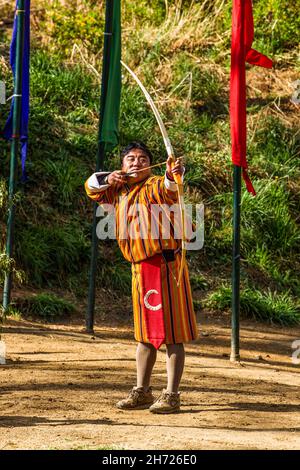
(137, 399)
(168, 402)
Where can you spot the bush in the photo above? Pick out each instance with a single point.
(49, 307)
(7, 265)
(276, 23)
(69, 23)
(114, 274)
(198, 282)
(49, 253)
(268, 306)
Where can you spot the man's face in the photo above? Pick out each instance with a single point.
(136, 159)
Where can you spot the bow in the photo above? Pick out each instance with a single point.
(170, 152)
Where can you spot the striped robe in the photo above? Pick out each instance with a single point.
(179, 315)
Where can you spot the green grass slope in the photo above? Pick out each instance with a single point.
(181, 51)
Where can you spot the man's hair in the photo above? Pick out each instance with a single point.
(136, 145)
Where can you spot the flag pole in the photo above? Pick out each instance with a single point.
(241, 52)
(235, 317)
(99, 161)
(15, 143)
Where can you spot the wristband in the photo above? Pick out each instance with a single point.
(170, 177)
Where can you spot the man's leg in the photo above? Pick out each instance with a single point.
(175, 366)
(169, 400)
(141, 396)
(145, 360)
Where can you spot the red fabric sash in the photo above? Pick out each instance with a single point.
(241, 52)
(152, 304)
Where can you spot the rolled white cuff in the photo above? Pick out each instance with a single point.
(93, 183)
(171, 185)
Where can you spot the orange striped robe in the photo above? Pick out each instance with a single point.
(179, 315)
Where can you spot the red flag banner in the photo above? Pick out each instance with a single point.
(151, 290)
(242, 52)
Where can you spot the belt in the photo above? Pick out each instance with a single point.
(169, 255)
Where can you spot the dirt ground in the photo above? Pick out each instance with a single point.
(59, 387)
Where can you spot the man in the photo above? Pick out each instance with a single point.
(155, 267)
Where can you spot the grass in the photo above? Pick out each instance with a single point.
(181, 51)
(268, 222)
(49, 253)
(276, 149)
(11, 311)
(67, 178)
(198, 282)
(7, 265)
(48, 307)
(267, 306)
(62, 87)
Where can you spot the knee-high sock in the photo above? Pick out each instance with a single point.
(145, 360)
(175, 365)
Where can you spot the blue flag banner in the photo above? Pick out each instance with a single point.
(7, 132)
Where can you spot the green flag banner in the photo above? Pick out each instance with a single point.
(111, 77)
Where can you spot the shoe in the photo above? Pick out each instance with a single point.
(137, 399)
(167, 402)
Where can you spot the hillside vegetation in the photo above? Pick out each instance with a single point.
(181, 51)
